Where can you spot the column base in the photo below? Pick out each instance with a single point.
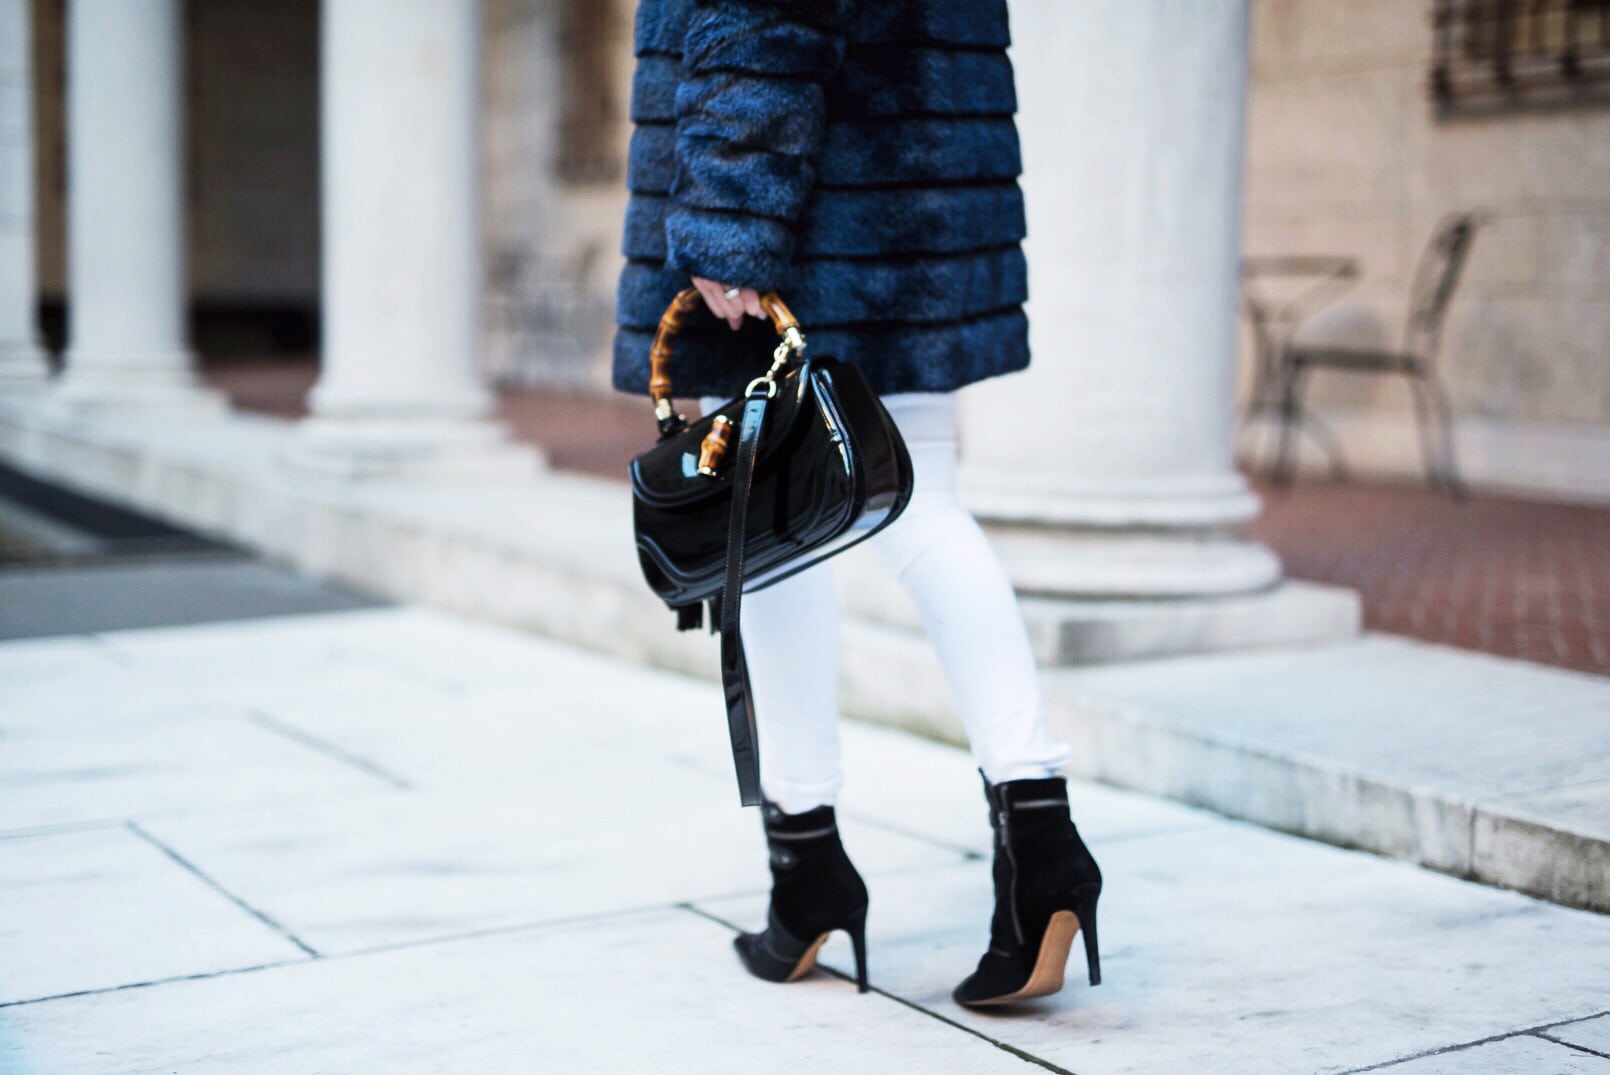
(1210, 499)
(369, 449)
(23, 366)
(1081, 631)
(1068, 562)
(1123, 537)
(1074, 630)
(155, 385)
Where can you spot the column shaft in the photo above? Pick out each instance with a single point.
(22, 359)
(125, 207)
(400, 387)
(1118, 437)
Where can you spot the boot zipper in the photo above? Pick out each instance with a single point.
(1011, 887)
(813, 834)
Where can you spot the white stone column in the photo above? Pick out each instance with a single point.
(1106, 469)
(127, 347)
(400, 391)
(22, 359)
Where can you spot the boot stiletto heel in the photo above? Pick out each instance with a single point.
(1087, 924)
(858, 942)
(815, 890)
(1046, 887)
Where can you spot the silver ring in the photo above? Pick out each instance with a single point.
(733, 292)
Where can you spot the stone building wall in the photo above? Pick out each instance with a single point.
(552, 221)
(251, 168)
(252, 88)
(1345, 156)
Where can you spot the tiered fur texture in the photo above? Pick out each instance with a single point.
(857, 155)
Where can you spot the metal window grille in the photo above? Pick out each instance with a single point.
(1493, 55)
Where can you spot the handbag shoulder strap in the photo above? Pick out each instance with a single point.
(734, 664)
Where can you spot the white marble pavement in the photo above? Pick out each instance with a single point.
(394, 840)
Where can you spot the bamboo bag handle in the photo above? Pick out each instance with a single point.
(659, 357)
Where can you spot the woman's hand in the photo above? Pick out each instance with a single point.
(732, 310)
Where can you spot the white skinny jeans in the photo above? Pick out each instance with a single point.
(942, 558)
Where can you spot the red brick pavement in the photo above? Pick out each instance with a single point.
(1517, 578)
(1514, 578)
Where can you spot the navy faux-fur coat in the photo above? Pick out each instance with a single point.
(857, 155)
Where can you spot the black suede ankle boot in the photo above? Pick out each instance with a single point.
(1046, 884)
(815, 890)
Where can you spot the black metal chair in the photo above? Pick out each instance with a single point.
(1309, 283)
(1435, 279)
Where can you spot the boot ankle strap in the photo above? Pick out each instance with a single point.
(1032, 804)
(813, 823)
(812, 834)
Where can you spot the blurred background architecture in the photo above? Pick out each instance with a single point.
(1356, 148)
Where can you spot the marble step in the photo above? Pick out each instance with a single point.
(1071, 631)
(1485, 768)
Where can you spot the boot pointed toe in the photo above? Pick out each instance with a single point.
(752, 952)
(998, 979)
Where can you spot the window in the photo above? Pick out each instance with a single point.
(1495, 55)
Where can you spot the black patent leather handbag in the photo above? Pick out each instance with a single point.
(804, 464)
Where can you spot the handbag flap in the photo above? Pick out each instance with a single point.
(666, 475)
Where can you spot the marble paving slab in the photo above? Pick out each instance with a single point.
(1236, 949)
(50, 656)
(203, 761)
(516, 733)
(933, 791)
(416, 644)
(106, 908)
(499, 848)
(114, 681)
(347, 672)
(43, 680)
(510, 707)
(1590, 1034)
(1522, 1055)
(653, 992)
(431, 862)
